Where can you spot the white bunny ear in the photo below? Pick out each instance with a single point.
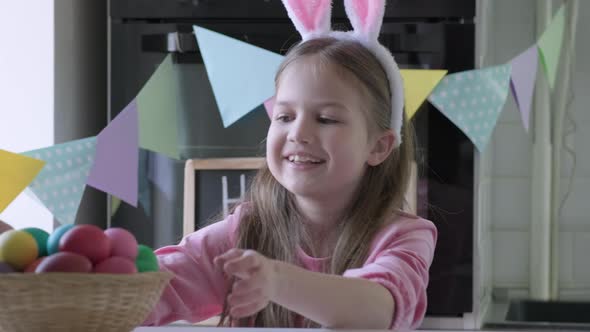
(366, 17)
(310, 17)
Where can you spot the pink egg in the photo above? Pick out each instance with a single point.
(116, 264)
(123, 243)
(64, 262)
(86, 240)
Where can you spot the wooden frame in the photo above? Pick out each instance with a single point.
(191, 165)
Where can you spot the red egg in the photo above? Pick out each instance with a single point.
(31, 267)
(116, 264)
(86, 240)
(64, 262)
(123, 243)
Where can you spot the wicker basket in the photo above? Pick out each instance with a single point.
(78, 302)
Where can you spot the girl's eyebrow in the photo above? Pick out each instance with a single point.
(322, 104)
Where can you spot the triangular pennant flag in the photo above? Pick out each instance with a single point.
(473, 100)
(115, 164)
(115, 204)
(144, 189)
(16, 172)
(241, 75)
(61, 183)
(32, 196)
(418, 83)
(268, 106)
(157, 106)
(550, 45)
(522, 81)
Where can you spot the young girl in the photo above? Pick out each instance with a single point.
(320, 239)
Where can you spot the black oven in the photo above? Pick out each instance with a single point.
(422, 34)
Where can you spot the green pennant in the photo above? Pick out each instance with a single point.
(550, 45)
(157, 109)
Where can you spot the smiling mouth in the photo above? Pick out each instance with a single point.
(297, 159)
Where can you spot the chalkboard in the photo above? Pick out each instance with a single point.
(212, 186)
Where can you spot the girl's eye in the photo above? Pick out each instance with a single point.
(283, 118)
(327, 121)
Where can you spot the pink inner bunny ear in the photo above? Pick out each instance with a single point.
(366, 16)
(309, 16)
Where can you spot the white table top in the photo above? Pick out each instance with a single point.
(223, 329)
(226, 329)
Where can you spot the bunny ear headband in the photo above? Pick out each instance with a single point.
(312, 19)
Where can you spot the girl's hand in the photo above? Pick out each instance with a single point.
(255, 280)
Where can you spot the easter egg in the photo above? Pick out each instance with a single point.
(116, 264)
(31, 267)
(18, 249)
(53, 240)
(41, 237)
(86, 240)
(123, 243)
(5, 268)
(64, 262)
(146, 260)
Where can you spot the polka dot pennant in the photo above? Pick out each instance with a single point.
(61, 183)
(473, 100)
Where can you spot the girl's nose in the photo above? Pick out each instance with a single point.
(300, 132)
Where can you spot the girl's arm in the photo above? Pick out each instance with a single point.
(333, 301)
(198, 289)
(389, 291)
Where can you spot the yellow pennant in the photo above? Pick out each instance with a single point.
(16, 172)
(418, 84)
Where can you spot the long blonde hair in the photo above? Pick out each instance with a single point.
(272, 224)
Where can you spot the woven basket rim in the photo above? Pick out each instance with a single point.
(58, 275)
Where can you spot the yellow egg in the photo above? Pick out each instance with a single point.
(18, 249)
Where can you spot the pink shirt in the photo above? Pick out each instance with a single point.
(399, 259)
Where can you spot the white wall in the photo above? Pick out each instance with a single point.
(509, 160)
(26, 93)
(575, 218)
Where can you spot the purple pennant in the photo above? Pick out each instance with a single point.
(116, 162)
(522, 83)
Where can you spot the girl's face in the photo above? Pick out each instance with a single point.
(318, 144)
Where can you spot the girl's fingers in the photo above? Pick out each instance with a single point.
(247, 285)
(247, 309)
(242, 265)
(220, 260)
(253, 295)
